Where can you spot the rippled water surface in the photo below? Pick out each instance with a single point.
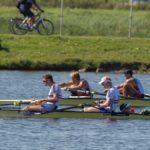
(67, 134)
(74, 134)
(23, 85)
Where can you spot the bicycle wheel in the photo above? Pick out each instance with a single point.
(45, 27)
(15, 26)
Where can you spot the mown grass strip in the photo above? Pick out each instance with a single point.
(33, 52)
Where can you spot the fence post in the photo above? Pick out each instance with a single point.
(61, 17)
(130, 19)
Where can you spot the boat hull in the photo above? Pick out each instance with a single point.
(71, 114)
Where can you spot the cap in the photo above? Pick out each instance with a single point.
(105, 79)
(124, 107)
(128, 71)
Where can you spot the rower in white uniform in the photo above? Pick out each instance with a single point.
(50, 103)
(110, 103)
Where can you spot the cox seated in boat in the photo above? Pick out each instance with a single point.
(50, 103)
(132, 86)
(110, 103)
(77, 86)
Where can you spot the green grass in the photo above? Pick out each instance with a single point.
(68, 53)
(89, 22)
(86, 4)
(75, 3)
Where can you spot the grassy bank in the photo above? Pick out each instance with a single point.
(76, 3)
(68, 53)
(94, 4)
(87, 22)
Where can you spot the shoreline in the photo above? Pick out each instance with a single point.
(93, 54)
(96, 70)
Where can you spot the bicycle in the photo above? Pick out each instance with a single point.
(41, 25)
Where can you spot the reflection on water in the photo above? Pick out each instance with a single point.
(66, 134)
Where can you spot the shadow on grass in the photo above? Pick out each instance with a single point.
(2, 48)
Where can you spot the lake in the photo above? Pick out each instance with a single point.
(67, 134)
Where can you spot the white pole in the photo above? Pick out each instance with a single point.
(131, 18)
(61, 17)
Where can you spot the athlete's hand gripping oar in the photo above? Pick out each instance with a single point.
(85, 92)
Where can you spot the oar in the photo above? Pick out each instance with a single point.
(15, 102)
(102, 94)
(67, 108)
(10, 108)
(76, 106)
(86, 92)
(6, 104)
(146, 95)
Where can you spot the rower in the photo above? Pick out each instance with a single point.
(76, 83)
(50, 103)
(110, 103)
(132, 86)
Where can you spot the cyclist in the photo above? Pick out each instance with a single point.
(25, 7)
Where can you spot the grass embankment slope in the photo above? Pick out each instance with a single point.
(34, 52)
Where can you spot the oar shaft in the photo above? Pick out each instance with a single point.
(104, 94)
(146, 95)
(15, 100)
(76, 106)
(66, 108)
(9, 109)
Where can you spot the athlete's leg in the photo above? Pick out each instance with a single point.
(32, 108)
(91, 109)
(128, 90)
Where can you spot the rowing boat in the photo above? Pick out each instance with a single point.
(76, 101)
(7, 113)
(70, 114)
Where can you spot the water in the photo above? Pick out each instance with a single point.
(27, 85)
(74, 134)
(66, 134)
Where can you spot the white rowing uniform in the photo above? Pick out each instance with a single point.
(112, 94)
(139, 85)
(51, 106)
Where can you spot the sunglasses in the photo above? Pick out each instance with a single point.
(44, 81)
